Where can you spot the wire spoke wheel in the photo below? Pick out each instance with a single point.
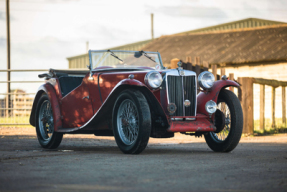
(228, 121)
(131, 121)
(46, 134)
(46, 121)
(222, 135)
(128, 122)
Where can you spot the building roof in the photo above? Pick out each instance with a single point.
(240, 24)
(226, 47)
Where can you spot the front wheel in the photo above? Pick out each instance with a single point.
(46, 135)
(228, 121)
(131, 122)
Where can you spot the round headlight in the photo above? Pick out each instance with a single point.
(153, 79)
(210, 107)
(206, 80)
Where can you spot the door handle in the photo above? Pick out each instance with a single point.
(86, 97)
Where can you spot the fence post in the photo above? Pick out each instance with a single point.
(188, 63)
(284, 106)
(246, 97)
(214, 71)
(197, 65)
(231, 77)
(273, 125)
(205, 65)
(262, 108)
(222, 71)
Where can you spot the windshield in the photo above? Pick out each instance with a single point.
(125, 59)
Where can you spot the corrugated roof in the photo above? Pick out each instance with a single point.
(240, 24)
(229, 47)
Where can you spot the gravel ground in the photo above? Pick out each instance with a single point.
(182, 163)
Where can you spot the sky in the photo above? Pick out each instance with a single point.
(45, 32)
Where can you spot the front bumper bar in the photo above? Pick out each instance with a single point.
(201, 124)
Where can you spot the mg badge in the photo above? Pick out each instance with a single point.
(181, 72)
(186, 103)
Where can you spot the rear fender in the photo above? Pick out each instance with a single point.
(212, 94)
(50, 91)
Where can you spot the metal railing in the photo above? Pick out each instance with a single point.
(15, 106)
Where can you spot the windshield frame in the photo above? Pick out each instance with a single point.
(126, 51)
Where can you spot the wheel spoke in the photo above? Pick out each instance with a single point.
(46, 125)
(222, 135)
(127, 121)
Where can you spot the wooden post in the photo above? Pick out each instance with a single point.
(8, 97)
(189, 64)
(173, 63)
(273, 125)
(222, 71)
(231, 77)
(214, 71)
(262, 108)
(205, 65)
(197, 66)
(151, 16)
(198, 60)
(284, 106)
(247, 103)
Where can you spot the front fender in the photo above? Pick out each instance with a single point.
(50, 91)
(130, 82)
(212, 94)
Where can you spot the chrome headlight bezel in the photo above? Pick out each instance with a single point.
(206, 80)
(153, 79)
(210, 107)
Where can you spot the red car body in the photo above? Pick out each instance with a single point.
(88, 107)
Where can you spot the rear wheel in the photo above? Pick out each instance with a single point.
(46, 135)
(131, 122)
(229, 123)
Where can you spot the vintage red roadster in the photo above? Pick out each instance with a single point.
(130, 95)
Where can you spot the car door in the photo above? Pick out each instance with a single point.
(76, 107)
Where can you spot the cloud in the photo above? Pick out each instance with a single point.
(61, 1)
(191, 11)
(2, 42)
(2, 15)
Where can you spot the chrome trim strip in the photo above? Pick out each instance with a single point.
(183, 107)
(189, 119)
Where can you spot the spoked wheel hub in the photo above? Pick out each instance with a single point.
(128, 122)
(223, 127)
(46, 124)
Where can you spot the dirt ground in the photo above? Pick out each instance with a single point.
(182, 163)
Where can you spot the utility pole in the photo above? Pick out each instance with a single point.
(152, 26)
(8, 58)
(87, 46)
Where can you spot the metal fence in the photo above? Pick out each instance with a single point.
(15, 106)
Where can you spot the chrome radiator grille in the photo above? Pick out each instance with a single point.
(181, 88)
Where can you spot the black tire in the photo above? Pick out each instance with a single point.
(134, 123)
(236, 124)
(46, 141)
